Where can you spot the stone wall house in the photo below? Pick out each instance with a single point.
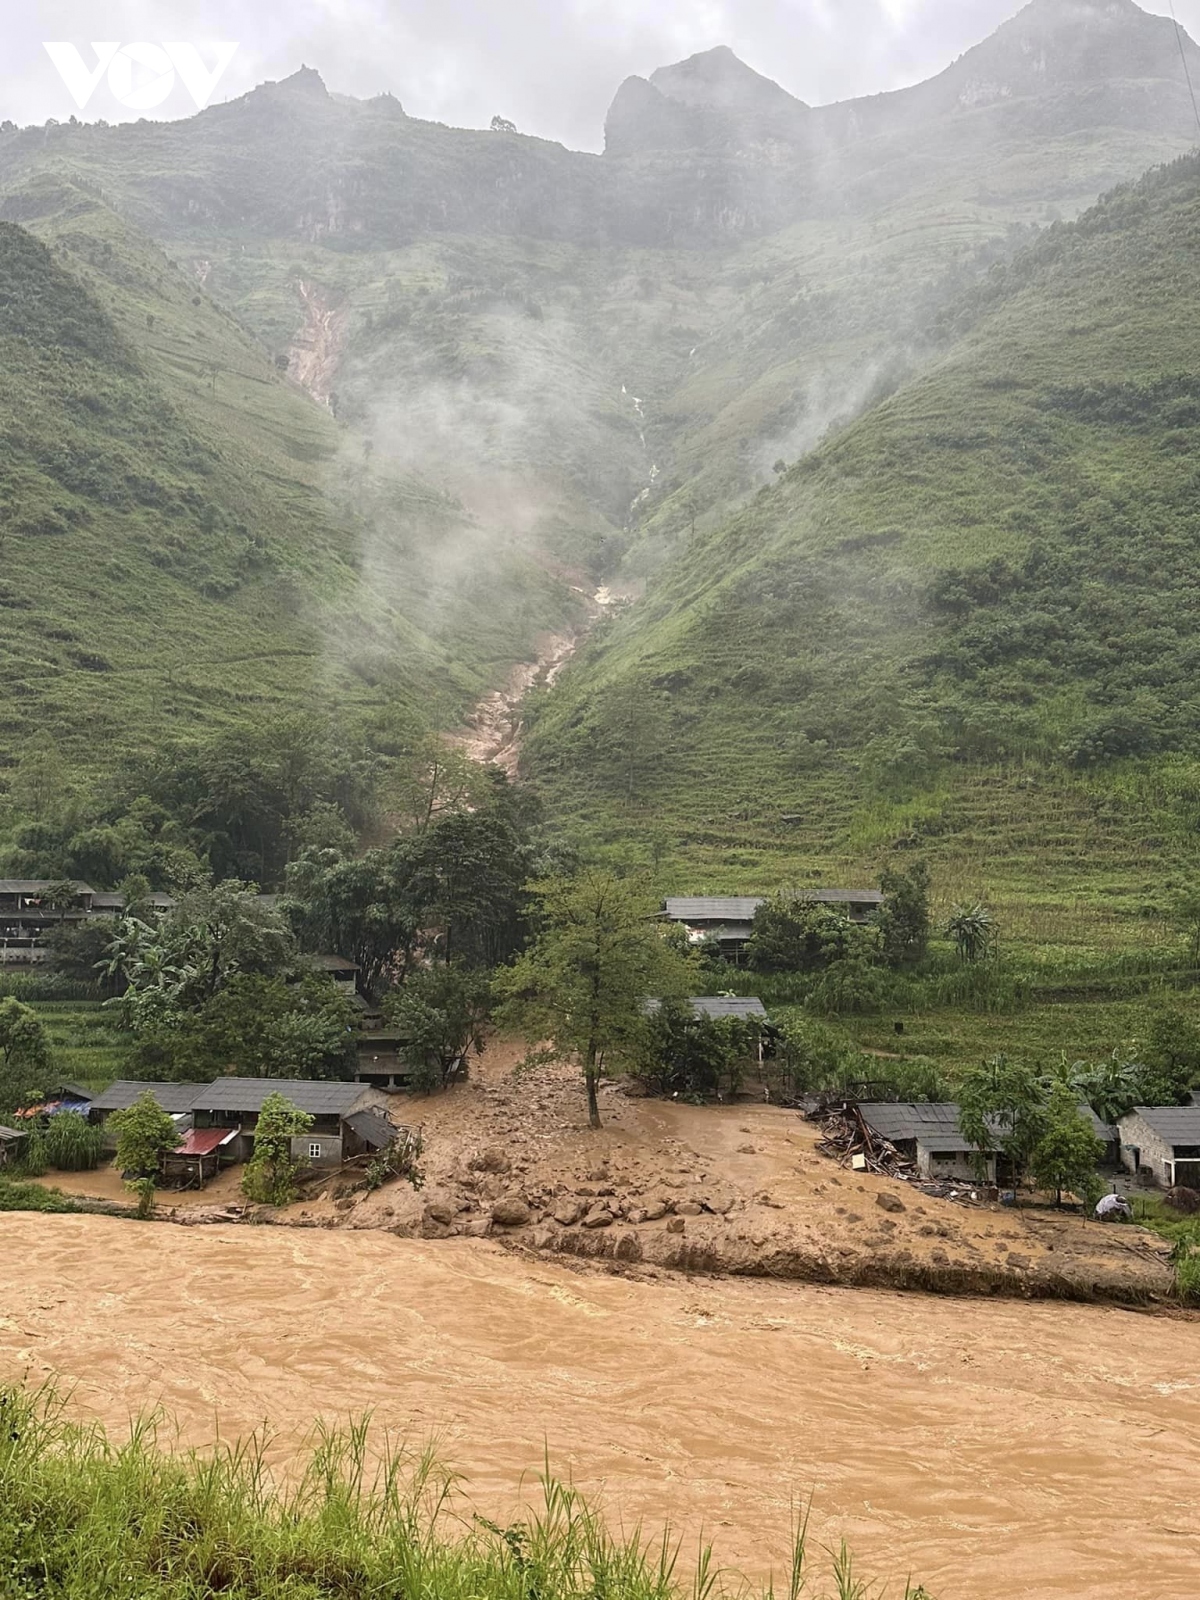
(1163, 1142)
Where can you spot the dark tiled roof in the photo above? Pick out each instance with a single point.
(248, 1094)
(372, 1128)
(332, 963)
(1174, 1124)
(728, 1006)
(935, 1125)
(705, 909)
(741, 908)
(174, 1098)
(38, 886)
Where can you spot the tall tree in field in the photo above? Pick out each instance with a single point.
(25, 1057)
(583, 982)
(1068, 1153)
(145, 1133)
(1002, 1105)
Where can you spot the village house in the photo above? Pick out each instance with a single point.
(349, 1119)
(11, 1140)
(1162, 1143)
(729, 920)
(26, 916)
(174, 1098)
(930, 1137)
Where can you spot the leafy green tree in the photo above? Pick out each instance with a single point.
(271, 1173)
(224, 931)
(1170, 1054)
(145, 1133)
(904, 921)
(1002, 1106)
(792, 933)
(25, 1056)
(1111, 1087)
(259, 1027)
(851, 986)
(1068, 1152)
(973, 929)
(468, 872)
(583, 982)
(696, 1056)
(442, 1014)
(365, 910)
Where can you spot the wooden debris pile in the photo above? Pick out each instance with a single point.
(850, 1142)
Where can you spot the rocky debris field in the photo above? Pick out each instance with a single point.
(737, 1189)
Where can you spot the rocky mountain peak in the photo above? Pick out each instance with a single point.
(720, 80)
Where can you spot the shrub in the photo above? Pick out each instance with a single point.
(271, 1173)
(72, 1144)
(145, 1133)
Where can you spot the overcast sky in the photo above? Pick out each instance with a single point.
(550, 65)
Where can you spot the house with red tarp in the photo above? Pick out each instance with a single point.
(198, 1158)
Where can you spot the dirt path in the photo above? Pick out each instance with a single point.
(317, 349)
(987, 1448)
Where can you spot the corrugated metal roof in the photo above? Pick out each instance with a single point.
(372, 1128)
(39, 886)
(741, 908)
(204, 1141)
(1174, 1124)
(728, 1006)
(704, 909)
(9, 1134)
(719, 1005)
(174, 1098)
(248, 1094)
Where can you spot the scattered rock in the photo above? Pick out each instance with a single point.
(637, 1216)
(629, 1248)
(890, 1202)
(491, 1160)
(1019, 1263)
(689, 1208)
(478, 1228)
(599, 1217)
(543, 1238)
(568, 1212)
(438, 1212)
(747, 1150)
(511, 1214)
(676, 1225)
(657, 1209)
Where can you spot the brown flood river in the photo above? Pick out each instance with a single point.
(988, 1448)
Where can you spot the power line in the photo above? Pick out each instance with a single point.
(1187, 71)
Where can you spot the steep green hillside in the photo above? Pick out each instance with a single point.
(601, 354)
(186, 538)
(954, 625)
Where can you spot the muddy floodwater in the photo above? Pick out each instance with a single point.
(987, 1448)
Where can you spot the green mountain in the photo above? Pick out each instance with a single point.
(376, 398)
(186, 539)
(966, 624)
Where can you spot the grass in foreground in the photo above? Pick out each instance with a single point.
(82, 1515)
